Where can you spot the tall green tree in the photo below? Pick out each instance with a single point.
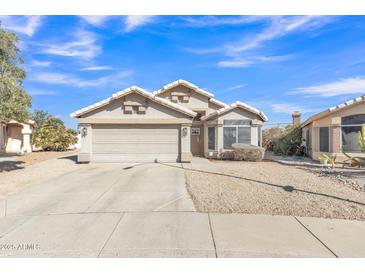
(40, 117)
(53, 135)
(14, 101)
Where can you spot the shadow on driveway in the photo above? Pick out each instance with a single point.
(10, 165)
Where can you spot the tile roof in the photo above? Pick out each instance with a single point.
(185, 83)
(215, 101)
(236, 104)
(129, 90)
(333, 109)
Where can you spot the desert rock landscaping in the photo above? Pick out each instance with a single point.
(33, 168)
(271, 188)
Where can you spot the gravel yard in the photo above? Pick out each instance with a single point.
(34, 168)
(271, 188)
(39, 156)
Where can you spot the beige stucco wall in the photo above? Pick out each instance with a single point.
(14, 138)
(114, 113)
(153, 111)
(196, 101)
(185, 143)
(213, 107)
(237, 113)
(85, 143)
(334, 122)
(234, 114)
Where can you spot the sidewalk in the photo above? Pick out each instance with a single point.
(179, 234)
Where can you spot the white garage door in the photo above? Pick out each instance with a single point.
(135, 143)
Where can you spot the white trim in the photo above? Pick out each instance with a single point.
(184, 83)
(237, 104)
(127, 91)
(333, 109)
(217, 102)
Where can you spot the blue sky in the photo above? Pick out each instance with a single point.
(275, 63)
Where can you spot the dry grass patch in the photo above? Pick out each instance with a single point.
(271, 188)
(39, 156)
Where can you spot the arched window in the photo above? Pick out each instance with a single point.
(351, 126)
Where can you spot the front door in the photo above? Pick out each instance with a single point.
(197, 140)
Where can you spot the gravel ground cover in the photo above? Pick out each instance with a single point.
(18, 175)
(39, 156)
(271, 188)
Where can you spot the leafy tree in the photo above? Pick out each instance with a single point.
(270, 137)
(53, 135)
(290, 141)
(40, 116)
(14, 101)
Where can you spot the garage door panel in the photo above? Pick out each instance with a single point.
(133, 157)
(135, 148)
(135, 143)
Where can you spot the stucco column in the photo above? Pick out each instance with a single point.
(255, 132)
(219, 138)
(86, 143)
(185, 143)
(336, 139)
(205, 145)
(26, 131)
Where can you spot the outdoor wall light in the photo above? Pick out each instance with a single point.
(84, 132)
(184, 132)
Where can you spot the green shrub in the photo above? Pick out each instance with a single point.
(53, 135)
(289, 142)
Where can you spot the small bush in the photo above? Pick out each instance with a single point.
(54, 136)
(290, 142)
(243, 152)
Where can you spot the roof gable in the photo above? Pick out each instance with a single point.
(217, 102)
(186, 84)
(334, 109)
(232, 106)
(138, 90)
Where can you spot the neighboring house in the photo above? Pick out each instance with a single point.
(169, 125)
(335, 130)
(15, 137)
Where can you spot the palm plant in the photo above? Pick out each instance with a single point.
(327, 159)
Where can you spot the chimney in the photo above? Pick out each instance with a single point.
(296, 117)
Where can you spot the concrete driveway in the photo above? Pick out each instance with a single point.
(144, 210)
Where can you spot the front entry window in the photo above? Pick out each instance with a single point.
(229, 137)
(211, 138)
(236, 131)
(351, 126)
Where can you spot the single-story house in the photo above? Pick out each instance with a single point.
(335, 130)
(15, 136)
(168, 125)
